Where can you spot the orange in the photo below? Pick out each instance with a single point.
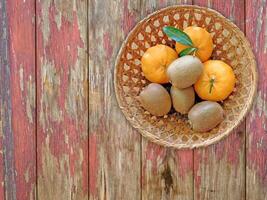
(155, 62)
(201, 39)
(216, 82)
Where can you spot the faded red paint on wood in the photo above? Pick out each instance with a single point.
(114, 146)
(219, 170)
(62, 100)
(6, 176)
(166, 173)
(256, 32)
(121, 165)
(22, 67)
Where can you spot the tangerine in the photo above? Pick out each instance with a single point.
(201, 39)
(216, 82)
(155, 62)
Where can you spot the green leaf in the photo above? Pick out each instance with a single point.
(187, 51)
(178, 35)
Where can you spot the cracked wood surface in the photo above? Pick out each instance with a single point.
(52, 93)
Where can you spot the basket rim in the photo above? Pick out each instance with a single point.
(243, 113)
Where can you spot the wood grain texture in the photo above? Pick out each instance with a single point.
(166, 173)
(22, 83)
(7, 171)
(114, 146)
(219, 170)
(256, 171)
(62, 100)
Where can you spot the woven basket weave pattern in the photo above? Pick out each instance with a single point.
(230, 45)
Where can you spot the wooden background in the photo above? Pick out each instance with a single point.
(62, 135)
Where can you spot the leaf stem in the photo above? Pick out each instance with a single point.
(212, 80)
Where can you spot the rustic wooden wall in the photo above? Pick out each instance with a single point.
(62, 135)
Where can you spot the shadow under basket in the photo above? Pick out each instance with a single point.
(230, 45)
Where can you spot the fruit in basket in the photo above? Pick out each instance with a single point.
(184, 71)
(182, 99)
(155, 99)
(155, 62)
(216, 82)
(205, 116)
(202, 41)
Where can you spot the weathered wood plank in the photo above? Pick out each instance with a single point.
(7, 172)
(166, 173)
(219, 170)
(21, 21)
(114, 146)
(62, 100)
(256, 171)
(17, 100)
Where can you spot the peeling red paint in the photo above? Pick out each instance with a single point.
(128, 19)
(185, 162)
(258, 146)
(65, 51)
(162, 3)
(107, 45)
(257, 120)
(22, 58)
(197, 174)
(60, 51)
(235, 146)
(153, 153)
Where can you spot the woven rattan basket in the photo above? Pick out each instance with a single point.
(231, 46)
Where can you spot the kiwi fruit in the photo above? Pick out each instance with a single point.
(155, 99)
(182, 99)
(184, 71)
(205, 116)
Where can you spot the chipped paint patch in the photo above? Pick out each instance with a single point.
(21, 78)
(128, 19)
(260, 106)
(209, 3)
(66, 138)
(107, 45)
(185, 162)
(155, 154)
(26, 175)
(58, 19)
(66, 8)
(45, 24)
(55, 180)
(30, 99)
(259, 24)
(50, 92)
(77, 89)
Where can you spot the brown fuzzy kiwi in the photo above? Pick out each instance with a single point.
(185, 71)
(205, 116)
(182, 99)
(155, 99)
